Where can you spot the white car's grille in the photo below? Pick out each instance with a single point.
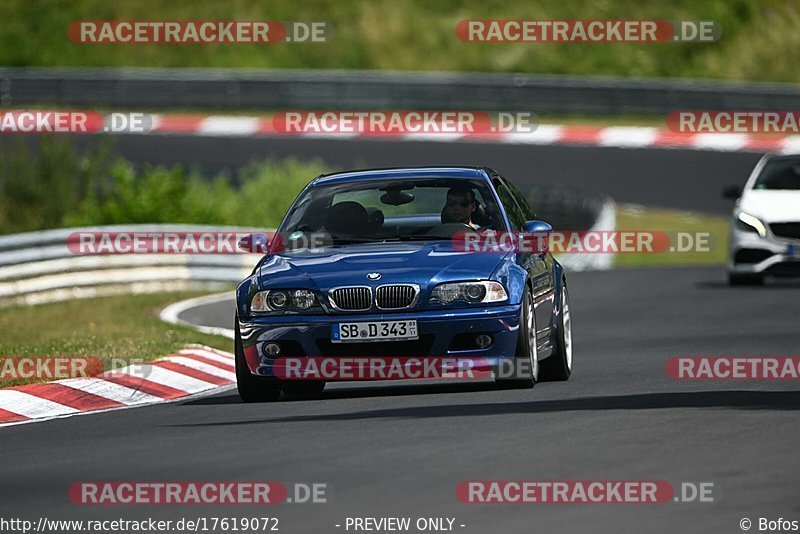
(788, 230)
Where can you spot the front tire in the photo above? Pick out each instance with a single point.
(525, 370)
(304, 388)
(251, 388)
(558, 366)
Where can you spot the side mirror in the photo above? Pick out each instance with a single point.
(731, 192)
(254, 243)
(536, 227)
(539, 231)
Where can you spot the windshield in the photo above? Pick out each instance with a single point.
(779, 174)
(392, 210)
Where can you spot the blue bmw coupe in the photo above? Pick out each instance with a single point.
(365, 263)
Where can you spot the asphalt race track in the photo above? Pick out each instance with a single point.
(400, 450)
(682, 179)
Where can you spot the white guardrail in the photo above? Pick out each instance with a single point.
(39, 267)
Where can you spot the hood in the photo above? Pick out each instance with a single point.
(424, 264)
(772, 206)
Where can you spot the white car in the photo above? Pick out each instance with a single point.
(765, 230)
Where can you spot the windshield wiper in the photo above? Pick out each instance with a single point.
(356, 241)
(424, 237)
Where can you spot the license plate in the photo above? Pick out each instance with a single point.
(793, 251)
(374, 331)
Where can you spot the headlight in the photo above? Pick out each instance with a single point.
(483, 291)
(302, 298)
(277, 300)
(280, 299)
(749, 223)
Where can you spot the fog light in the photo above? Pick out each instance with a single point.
(272, 349)
(483, 340)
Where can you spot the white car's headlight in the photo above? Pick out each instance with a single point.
(282, 299)
(482, 291)
(750, 223)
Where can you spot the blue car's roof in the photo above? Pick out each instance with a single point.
(473, 173)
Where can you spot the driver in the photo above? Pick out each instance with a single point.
(460, 206)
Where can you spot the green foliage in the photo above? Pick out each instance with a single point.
(40, 185)
(759, 42)
(268, 188)
(55, 185)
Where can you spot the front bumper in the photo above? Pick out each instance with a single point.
(442, 333)
(752, 254)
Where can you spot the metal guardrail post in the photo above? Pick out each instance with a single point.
(320, 89)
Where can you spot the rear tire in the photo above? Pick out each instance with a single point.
(558, 366)
(251, 388)
(525, 369)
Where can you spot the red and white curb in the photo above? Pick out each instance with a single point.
(545, 134)
(193, 370)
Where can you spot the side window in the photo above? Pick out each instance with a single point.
(530, 215)
(515, 214)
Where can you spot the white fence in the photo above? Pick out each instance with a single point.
(39, 267)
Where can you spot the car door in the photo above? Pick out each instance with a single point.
(540, 266)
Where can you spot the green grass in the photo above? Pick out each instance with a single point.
(759, 42)
(120, 327)
(630, 217)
